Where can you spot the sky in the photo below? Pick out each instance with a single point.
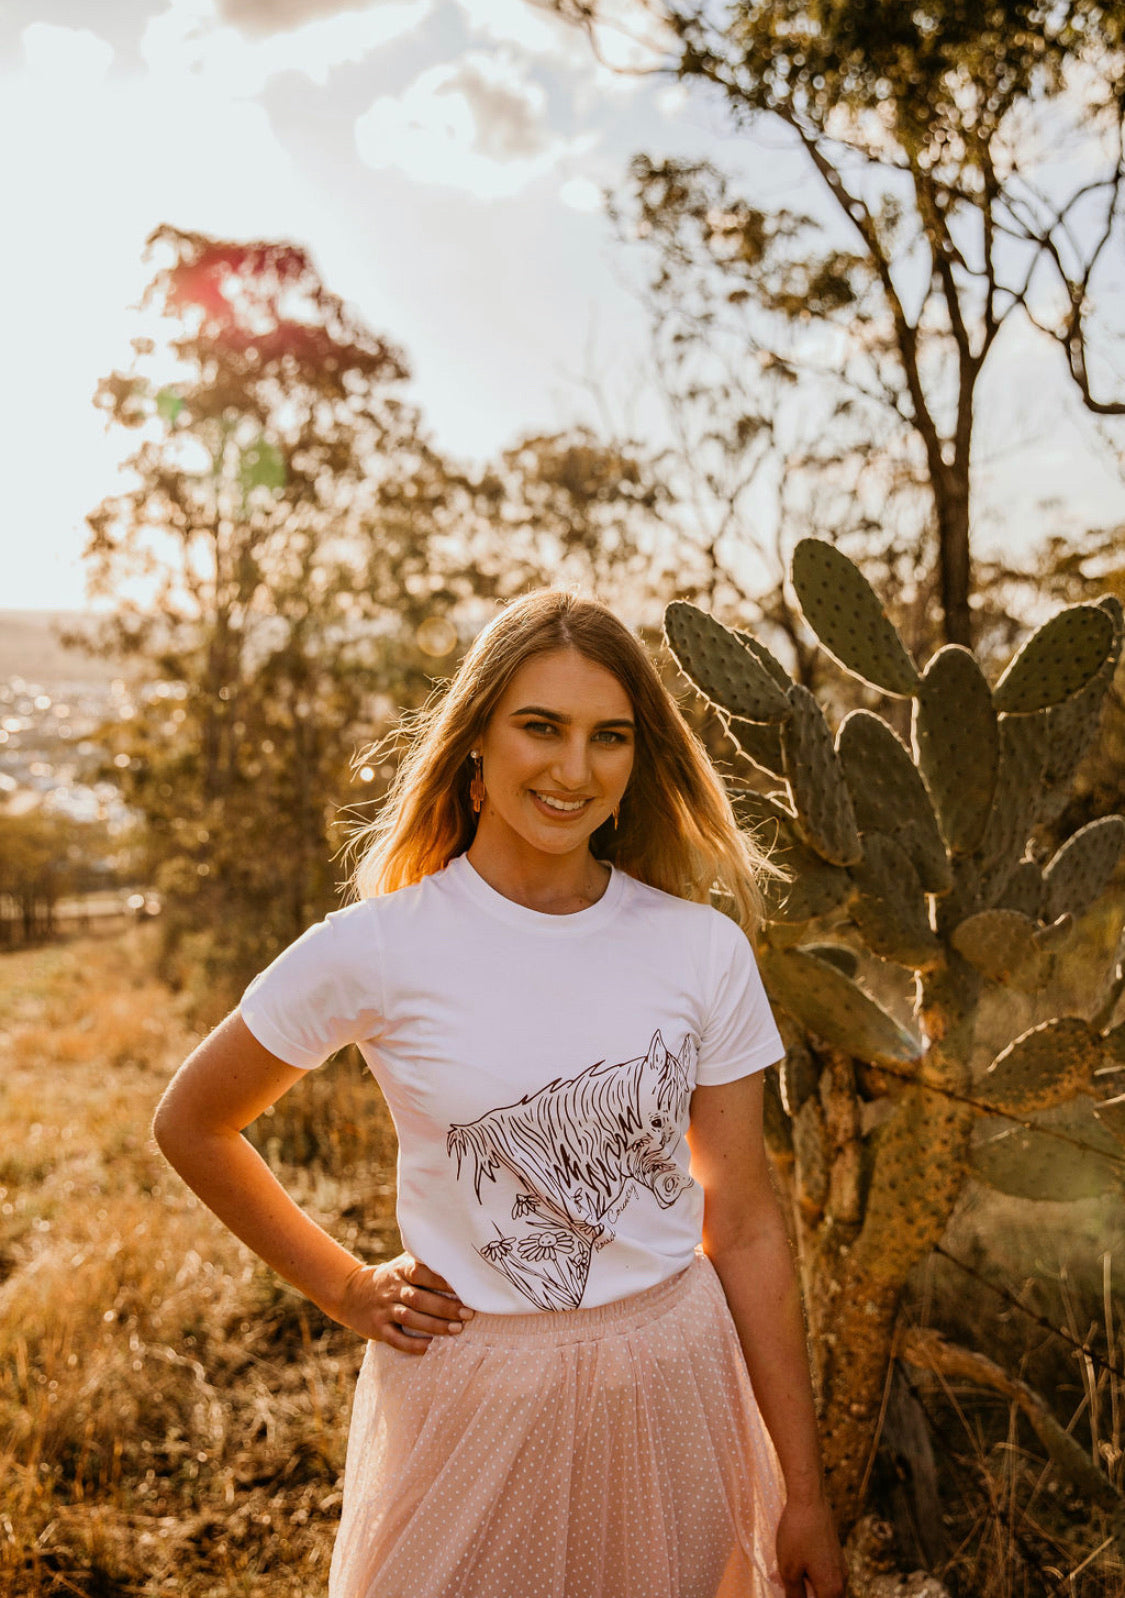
(443, 161)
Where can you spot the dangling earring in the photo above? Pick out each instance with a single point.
(476, 787)
(616, 813)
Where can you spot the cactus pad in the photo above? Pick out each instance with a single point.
(776, 1125)
(1056, 661)
(816, 781)
(1079, 871)
(721, 666)
(799, 1077)
(889, 907)
(766, 660)
(1045, 1066)
(1002, 944)
(835, 1008)
(1056, 935)
(1111, 1114)
(889, 796)
(963, 899)
(1023, 890)
(1114, 1042)
(1032, 1164)
(816, 887)
(840, 955)
(957, 745)
(760, 742)
(811, 1156)
(1074, 724)
(1019, 783)
(843, 611)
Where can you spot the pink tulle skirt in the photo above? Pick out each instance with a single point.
(610, 1452)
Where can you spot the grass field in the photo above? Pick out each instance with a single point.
(173, 1418)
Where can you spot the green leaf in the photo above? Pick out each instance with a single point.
(169, 404)
(262, 466)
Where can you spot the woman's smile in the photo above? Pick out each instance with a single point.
(558, 807)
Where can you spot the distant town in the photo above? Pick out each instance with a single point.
(54, 701)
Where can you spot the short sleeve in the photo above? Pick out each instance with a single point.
(321, 992)
(740, 1035)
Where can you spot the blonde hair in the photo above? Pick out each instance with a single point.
(677, 830)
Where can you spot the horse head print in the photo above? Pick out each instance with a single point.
(576, 1150)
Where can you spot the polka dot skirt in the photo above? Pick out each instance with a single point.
(611, 1452)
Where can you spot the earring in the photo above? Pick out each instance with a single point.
(476, 786)
(616, 813)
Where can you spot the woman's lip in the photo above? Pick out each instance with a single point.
(562, 815)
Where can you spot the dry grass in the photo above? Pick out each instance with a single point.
(1016, 1528)
(172, 1417)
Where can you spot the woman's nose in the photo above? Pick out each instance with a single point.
(572, 764)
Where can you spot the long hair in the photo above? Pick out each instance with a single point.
(677, 830)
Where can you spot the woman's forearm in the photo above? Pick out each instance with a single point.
(762, 1291)
(233, 1180)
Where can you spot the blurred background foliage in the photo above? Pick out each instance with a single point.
(313, 565)
(295, 563)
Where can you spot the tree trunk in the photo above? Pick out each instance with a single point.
(951, 500)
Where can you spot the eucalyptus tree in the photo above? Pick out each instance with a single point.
(293, 564)
(963, 169)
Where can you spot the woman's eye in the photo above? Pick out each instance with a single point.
(606, 735)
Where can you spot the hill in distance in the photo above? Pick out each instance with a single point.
(30, 648)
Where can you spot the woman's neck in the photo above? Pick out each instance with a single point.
(552, 884)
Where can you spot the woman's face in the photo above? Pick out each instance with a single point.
(557, 752)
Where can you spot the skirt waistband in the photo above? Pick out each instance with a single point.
(580, 1325)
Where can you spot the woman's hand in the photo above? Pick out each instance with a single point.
(809, 1559)
(379, 1300)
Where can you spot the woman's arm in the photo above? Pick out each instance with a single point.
(222, 1086)
(745, 1239)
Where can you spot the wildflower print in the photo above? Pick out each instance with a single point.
(539, 1246)
(547, 1244)
(526, 1204)
(498, 1249)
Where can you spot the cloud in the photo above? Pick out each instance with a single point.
(478, 124)
(582, 194)
(263, 17)
(509, 117)
(75, 54)
(193, 38)
(628, 40)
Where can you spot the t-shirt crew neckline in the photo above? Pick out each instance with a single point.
(572, 924)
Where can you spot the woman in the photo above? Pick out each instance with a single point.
(568, 1370)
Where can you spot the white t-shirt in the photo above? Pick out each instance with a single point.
(539, 1070)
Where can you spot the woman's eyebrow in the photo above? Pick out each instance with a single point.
(555, 715)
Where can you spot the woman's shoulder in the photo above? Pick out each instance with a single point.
(386, 907)
(688, 915)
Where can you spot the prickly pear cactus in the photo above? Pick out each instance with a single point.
(924, 859)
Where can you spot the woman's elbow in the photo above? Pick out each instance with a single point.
(174, 1125)
(733, 1223)
(167, 1128)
